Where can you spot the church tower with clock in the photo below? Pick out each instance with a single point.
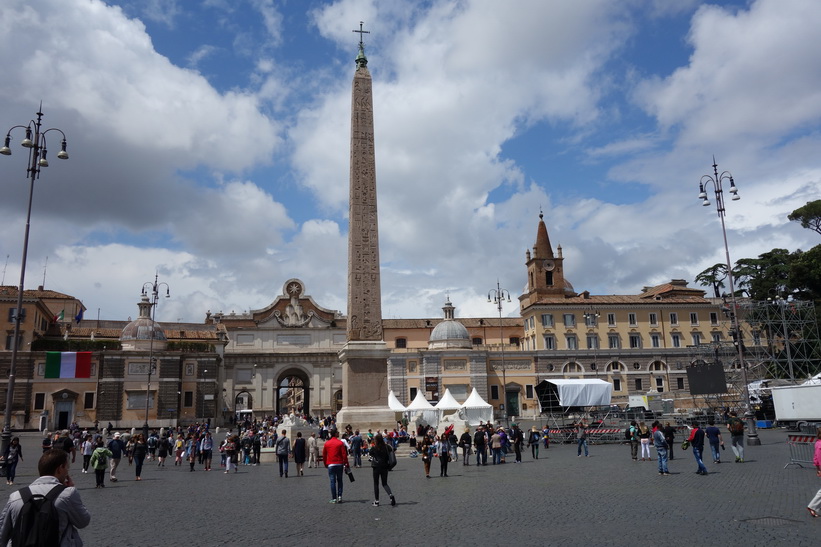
(545, 271)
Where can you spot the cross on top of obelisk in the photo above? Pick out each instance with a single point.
(361, 60)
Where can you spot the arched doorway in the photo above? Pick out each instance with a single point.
(293, 393)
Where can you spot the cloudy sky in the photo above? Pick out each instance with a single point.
(209, 143)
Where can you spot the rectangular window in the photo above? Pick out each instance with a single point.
(135, 400)
(592, 341)
(532, 323)
(569, 320)
(514, 340)
(88, 400)
(613, 341)
(529, 391)
(616, 384)
(413, 391)
(676, 339)
(188, 399)
(673, 318)
(635, 341)
(591, 319)
(716, 337)
(714, 318)
(680, 383)
(494, 393)
(631, 319)
(611, 319)
(659, 384)
(694, 318)
(39, 401)
(638, 384)
(13, 314)
(696, 339)
(477, 341)
(549, 342)
(654, 319)
(655, 340)
(571, 342)
(401, 343)
(547, 320)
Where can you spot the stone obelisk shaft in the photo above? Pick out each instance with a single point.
(365, 355)
(364, 293)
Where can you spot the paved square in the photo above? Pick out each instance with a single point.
(559, 499)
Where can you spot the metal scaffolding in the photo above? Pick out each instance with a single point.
(786, 332)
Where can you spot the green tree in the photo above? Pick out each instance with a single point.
(713, 276)
(805, 274)
(809, 215)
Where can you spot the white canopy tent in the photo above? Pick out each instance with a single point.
(476, 410)
(573, 393)
(421, 406)
(447, 405)
(394, 404)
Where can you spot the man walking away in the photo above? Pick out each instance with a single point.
(68, 506)
(736, 427)
(335, 458)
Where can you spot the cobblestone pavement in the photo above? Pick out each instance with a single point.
(560, 499)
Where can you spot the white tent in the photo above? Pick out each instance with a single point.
(574, 393)
(447, 405)
(448, 402)
(394, 404)
(421, 406)
(476, 410)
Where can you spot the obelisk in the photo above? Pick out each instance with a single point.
(365, 355)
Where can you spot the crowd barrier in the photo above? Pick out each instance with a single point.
(801, 449)
(601, 435)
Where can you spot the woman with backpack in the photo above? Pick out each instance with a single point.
(99, 462)
(13, 454)
(426, 450)
(380, 456)
(533, 442)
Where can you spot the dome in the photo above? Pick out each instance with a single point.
(139, 333)
(449, 333)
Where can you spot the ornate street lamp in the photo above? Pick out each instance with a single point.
(155, 294)
(591, 320)
(498, 297)
(35, 141)
(716, 179)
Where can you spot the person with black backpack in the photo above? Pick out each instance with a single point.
(47, 512)
(383, 459)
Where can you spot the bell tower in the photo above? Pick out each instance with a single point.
(545, 270)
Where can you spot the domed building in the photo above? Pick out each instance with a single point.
(450, 333)
(138, 334)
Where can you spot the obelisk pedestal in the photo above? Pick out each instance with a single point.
(365, 387)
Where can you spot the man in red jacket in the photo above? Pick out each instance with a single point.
(335, 456)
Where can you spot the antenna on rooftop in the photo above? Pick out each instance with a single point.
(44, 272)
(3, 281)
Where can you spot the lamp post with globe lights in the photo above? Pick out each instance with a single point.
(716, 180)
(498, 296)
(155, 295)
(35, 141)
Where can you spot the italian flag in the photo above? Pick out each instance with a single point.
(69, 364)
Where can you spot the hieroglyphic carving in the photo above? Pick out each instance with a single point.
(364, 291)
